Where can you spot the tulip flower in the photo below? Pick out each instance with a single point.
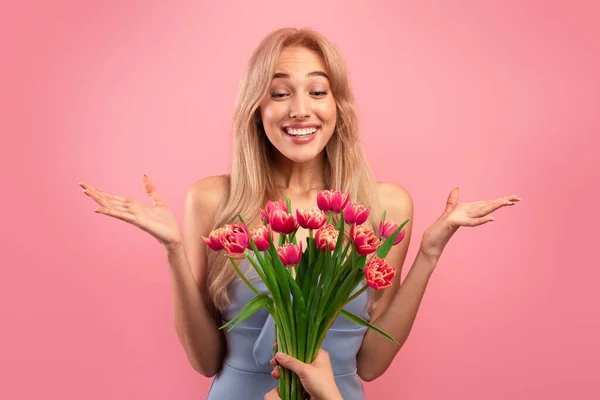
(364, 239)
(311, 218)
(356, 213)
(326, 238)
(332, 200)
(379, 273)
(272, 206)
(387, 228)
(261, 236)
(213, 241)
(282, 222)
(290, 254)
(235, 239)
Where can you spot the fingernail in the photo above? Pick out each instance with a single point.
(279, 356)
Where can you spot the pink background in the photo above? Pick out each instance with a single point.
(499, 98)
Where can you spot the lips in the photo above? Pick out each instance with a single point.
(302, 136)
(300, 132)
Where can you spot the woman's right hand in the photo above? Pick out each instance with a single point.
(157, 220)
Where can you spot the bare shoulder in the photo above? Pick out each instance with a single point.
(394, 197)
(201, 202)
(208, 192)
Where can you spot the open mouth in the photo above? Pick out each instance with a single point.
(304, 132)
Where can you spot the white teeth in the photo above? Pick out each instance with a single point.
(301, 132)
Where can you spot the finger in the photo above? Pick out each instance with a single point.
(291, 363)
(123, 216)
(97, 196)
(273, 362)
(452, 200)
(151, 190)
(113, 203)
(87, 189)
(478, 221)
(489, 206)
(275, 373)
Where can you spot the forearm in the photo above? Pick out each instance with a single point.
(377, 353)
(195, 326)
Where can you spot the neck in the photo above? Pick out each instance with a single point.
(299, 178)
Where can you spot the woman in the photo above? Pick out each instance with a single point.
(296, 133)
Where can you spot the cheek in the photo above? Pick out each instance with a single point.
(328, 111)
(272, 111)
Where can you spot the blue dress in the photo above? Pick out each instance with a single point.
(246, 372)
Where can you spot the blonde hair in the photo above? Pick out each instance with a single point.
(251, 181)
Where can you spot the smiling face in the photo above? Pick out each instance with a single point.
(299, 111)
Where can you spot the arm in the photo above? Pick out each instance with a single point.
(194, 320)
(397, 309)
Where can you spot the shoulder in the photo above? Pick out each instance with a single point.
(208, 192)
(392, 196)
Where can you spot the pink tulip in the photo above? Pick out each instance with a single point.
(387, 228)
(326, 237)
(356, 213)
(311, 218)
(290, 254)
(270, 207)
(283, 222)
(379, 273)
(261, 236)
(364, 239)
(213, 241)
(235, 239)
(332, 200)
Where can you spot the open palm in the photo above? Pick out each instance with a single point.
(458, 214)
(157, 219)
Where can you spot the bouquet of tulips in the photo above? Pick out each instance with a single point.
(308, 289)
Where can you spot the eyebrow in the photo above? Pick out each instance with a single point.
(314, 73)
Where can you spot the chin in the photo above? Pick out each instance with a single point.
(301, 156)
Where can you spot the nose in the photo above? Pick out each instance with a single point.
(300, 107)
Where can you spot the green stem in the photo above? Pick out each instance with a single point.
(355, 295)
(250, 285)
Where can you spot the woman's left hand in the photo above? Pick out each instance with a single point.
(456, 215)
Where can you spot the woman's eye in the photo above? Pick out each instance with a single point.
(278, 95)
(319, 93)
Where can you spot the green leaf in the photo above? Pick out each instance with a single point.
(358, 320)
(385, 247)
(288, 202)
(250, 308)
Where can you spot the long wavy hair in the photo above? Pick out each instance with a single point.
(251, 181)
